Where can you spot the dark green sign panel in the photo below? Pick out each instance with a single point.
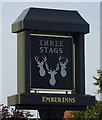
(51, 62)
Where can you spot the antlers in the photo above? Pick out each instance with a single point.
(37, 59)
(57, 68)
(47, 67)
(43, 68)
(66, 61)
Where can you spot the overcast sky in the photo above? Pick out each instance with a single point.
(10, 11)
(0, 53)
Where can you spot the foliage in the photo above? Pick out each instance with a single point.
(98, 81)
(91, 113)
(7, 112)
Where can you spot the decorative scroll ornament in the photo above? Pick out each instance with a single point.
(50, 71)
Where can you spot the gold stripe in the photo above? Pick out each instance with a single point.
(39, 89)
(51, 35)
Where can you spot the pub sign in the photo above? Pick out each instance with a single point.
(50, 56)
(51, 62)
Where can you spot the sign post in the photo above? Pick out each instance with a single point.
(50, 56)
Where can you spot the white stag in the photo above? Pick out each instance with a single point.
(42, 72)
(63, 66)
(52, 73)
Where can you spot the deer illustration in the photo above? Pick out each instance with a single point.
(63, 66)
(42, 72)
(52, 73)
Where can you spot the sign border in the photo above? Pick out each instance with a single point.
(63, 90)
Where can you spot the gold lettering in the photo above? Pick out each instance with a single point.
(70, 100)
(66, 100)
(52, 99)
(48, 99)
(58, 99)
(74, 100)
(43, 99)
(62, 99)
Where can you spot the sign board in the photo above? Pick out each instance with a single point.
(65, 101)
(51, 62)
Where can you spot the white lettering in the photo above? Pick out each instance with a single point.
(51, 46)
(61, 43)
(46, 49)
(46, 43)
(60, 50)
(41, 42)
(51, 43)
(55, 50)
(50, 50)
(57, 43)
(41, 50)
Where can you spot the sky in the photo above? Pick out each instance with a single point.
(1, 53)
(90, 11)
(50, 1)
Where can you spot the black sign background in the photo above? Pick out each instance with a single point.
(42, 82)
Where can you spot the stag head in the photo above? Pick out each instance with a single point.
(52, 73)
(42, 72)
(63, 63)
